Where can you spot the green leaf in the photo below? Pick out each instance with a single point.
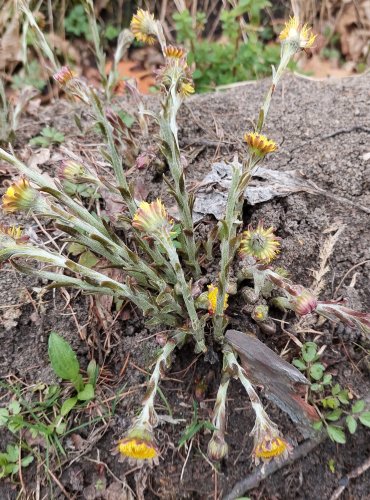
(331, 403)
(309, 351)
(336, 434)
(316, 387)
(88, 259)
(334, 415)
(87, 393)
(27, 460)
(93, 372)
(358, 407)
(365, 418)
(76, 249)
(67, 406)
(343, 397)
(14, 407)
(327, 379)
(298, 363)
(335, 390)
(61, 427)
(62, 358)
(12, 452)
(317, 371)
(351, 424)
(4, 415)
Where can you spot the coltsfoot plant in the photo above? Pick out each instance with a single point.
(165, 278)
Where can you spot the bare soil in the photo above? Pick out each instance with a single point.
(323, 130)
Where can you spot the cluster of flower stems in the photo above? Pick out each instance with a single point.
(161, 278)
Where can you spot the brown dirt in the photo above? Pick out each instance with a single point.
(323, 130)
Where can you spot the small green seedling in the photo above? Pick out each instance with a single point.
(10, 461)
(331, 401)
(195, 426)
(47, 137)
(66, 366)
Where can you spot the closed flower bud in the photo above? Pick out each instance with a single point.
(217, 447)
(305, 302)
(260, 313)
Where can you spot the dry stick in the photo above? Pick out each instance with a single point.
(253, 480)
(343, 483)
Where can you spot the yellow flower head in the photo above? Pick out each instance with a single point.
(298, 37)
(186, 88)
(259, 144)
(260, 243)
(11, 234)
(212, 299)
(268, 443)
(144, 27)
(151, 217)
(20, 196)
(138, 444)
(270, 447)
(64, 76)
(174, 52)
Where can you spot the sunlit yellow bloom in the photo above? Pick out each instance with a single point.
(260, 243)
(212, 299)
(151, 217)
(259, 144)
(186, 89)
(175, 52)
(64, 75)
(144, 27)
(138, 444)
(270, 447)
(20, 196)
(300, 37)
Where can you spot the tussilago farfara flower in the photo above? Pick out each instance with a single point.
(144, 27)
(20, 196)
(259, 144)
(175, 52)
(72, 171)
(268, 443)
(260, 243)
(260, 313)
(299, 37)
(186, 88)
(11, 234)
(138, 444)
(305, 302)
(64, 75)
(152, 217)
(212, 299)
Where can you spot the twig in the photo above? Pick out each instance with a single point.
(343, 483)
(253, 480)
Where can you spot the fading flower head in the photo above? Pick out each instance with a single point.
(144, 27)
(268, 443)
(64, 75)
(138, 444)
(152, 217)
(259, 144)
(20, 196)
(186, 88)
(298, 37)
(72, 171)
(217, 446)
(212, 299)
(174, 52)
(260, 243)
(11, 235)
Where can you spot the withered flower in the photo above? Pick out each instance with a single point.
(260, 243)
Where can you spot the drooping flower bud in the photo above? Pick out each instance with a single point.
(21, 196)
(217, 447)
(152, 217)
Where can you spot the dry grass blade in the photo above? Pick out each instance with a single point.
(326, 251)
